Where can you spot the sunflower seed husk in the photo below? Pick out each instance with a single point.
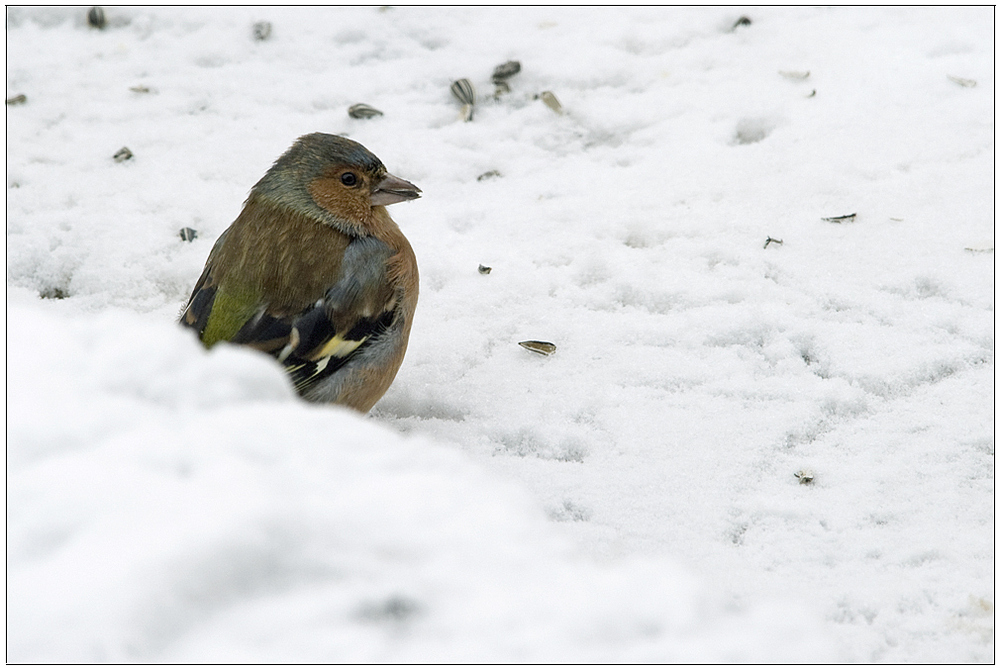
(550, 100)
(812, 94)
(140, 89)
(985, 247)
(846, 218)
(188, 234)
(95, 17)
(805, 476)
(771, 240)
(795, 75)
(17, 99)
(506, 71)
(261, 30)
(966, 83)
(466, 113)
(363, 111)
(123, 154)
(742, 21)
(488, 175)
(540, 347)
(463, 90)
(483, 269)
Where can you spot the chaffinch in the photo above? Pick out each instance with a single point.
(315, 273)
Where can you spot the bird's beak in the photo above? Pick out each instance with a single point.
(392, 189)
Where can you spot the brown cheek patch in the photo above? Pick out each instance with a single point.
(345, 204)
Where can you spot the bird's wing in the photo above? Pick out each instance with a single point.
(316, 342)
(351, 316)
(218, 314)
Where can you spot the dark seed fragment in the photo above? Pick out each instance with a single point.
(188, 234)
(261, 30)
(54, 292)
(123, 154)
(95, 17)
(506, 71)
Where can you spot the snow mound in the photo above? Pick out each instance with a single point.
(168, 503)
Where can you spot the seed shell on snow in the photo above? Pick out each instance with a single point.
(846, 218)
(95, 17)
(17, 99)
(805, 476)
(464, 91)
(261, 30)
(363, 111)
(540, 347)
(123, 154)
(965, 83)
(551, 101)
(483, 269)
(188, 234)
(506, 70)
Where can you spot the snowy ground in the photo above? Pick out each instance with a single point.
(630, 498)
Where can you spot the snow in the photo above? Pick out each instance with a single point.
(631, 498)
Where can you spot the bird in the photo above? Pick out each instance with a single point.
(315, 273)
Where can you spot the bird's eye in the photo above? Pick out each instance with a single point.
(349, 179)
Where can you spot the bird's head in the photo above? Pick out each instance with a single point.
(334, 179)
